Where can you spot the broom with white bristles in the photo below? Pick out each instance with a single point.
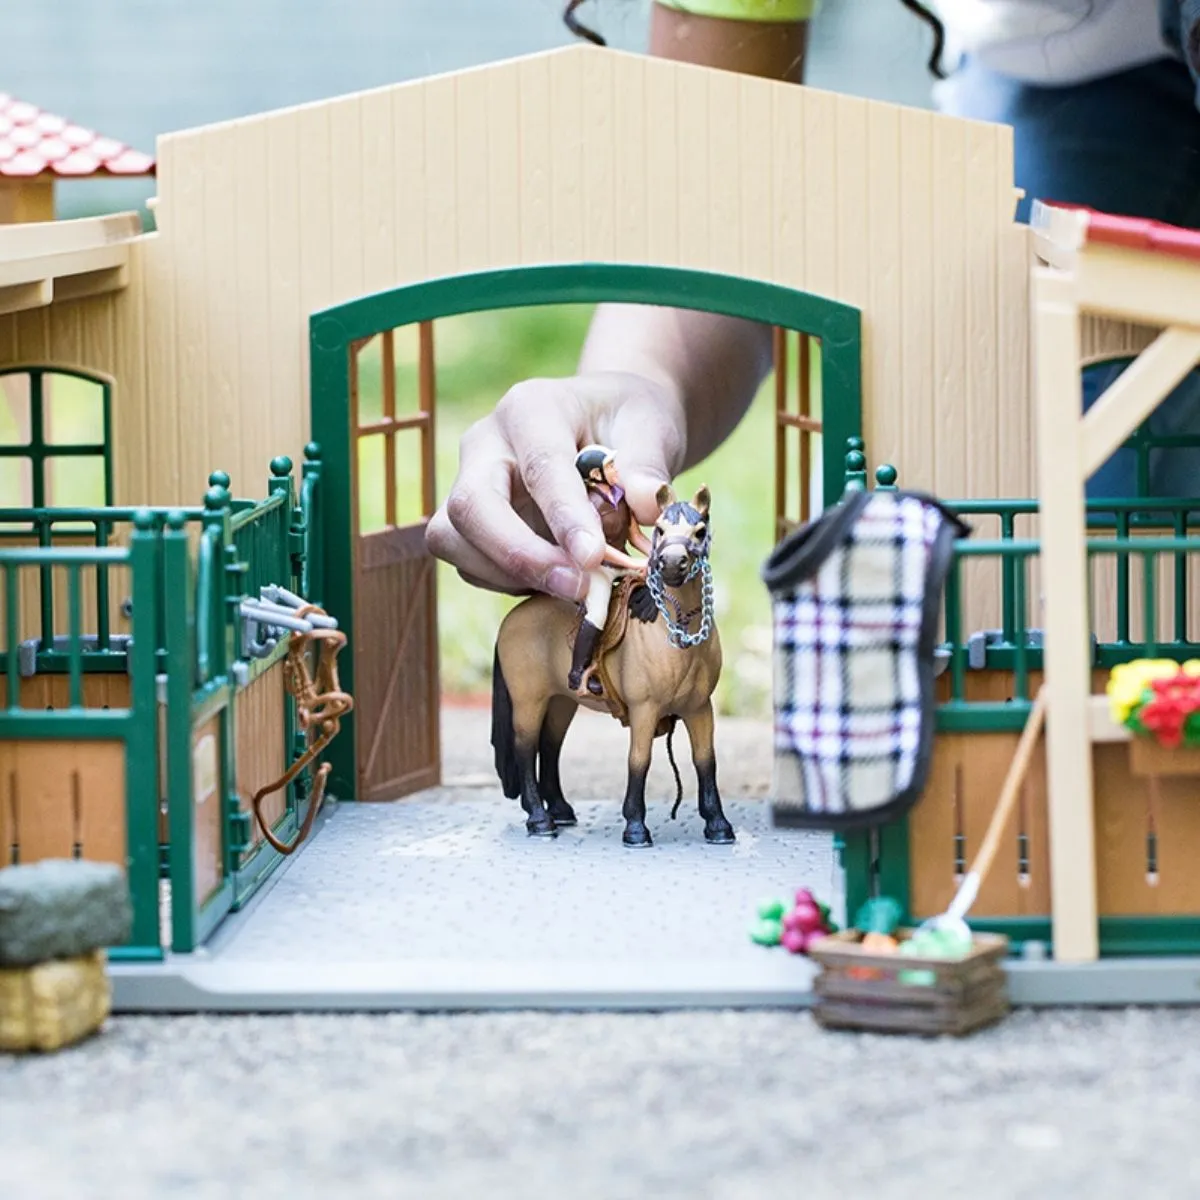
(952, 918)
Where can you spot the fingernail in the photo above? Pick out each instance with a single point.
(583, 545)
(564, 582)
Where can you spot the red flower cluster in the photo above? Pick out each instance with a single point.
(1173, 701)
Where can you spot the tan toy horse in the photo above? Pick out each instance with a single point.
(656, 664)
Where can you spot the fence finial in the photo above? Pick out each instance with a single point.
(216, 498)
(175, 520)
(856, 466)
(885, 477)
(219, 479)
(143, 520)
(281, 466)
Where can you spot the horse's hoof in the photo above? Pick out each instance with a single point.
(543, 829)
(637, 836)
(719, 833)
(563, 814)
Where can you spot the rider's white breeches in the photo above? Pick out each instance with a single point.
(599, 592)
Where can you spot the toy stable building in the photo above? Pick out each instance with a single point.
(259, 323)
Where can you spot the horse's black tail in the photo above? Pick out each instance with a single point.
(504, 740)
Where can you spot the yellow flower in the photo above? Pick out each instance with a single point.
(1128, 681)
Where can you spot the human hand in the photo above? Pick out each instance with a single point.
(518, 518)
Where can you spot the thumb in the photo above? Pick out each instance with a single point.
(642, 481)
(645, 442)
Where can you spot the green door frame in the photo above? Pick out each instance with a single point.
(333, 330)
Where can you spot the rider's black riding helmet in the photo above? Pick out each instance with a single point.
(592, 458)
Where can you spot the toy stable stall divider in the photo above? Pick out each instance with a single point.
(1142, 578)
(143, 747)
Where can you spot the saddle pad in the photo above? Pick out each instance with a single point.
(855, 603)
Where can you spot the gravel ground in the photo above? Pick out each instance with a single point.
(719, 1106)
(702, 1106)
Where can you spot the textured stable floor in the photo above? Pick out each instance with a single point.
(442, 900)
(454, 877)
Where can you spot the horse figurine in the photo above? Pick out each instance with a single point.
(659, 660)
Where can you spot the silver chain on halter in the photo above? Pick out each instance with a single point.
(677, 633)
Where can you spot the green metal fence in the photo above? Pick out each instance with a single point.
(191, 651)
(214, 655)
(134, 726)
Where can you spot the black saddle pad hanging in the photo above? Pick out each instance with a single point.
(856, 596)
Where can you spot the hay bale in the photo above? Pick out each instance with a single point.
(61, 908)
(53, 1004)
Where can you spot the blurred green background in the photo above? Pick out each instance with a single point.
(479, 356)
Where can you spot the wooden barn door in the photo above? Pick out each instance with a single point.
(796, 425)
(397, 692)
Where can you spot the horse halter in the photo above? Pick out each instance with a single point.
(699, 555)
(677, 632)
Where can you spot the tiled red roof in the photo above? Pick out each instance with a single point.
(1136, 233)
(33, 142)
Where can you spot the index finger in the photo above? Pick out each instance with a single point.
(544, 426)
(479, 507)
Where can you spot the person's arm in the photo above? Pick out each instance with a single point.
(662, 387)
(618, 558)
(639, 539)
(713, 364)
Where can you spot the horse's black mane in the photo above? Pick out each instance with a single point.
(681, 510)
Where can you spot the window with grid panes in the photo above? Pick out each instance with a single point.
(55, 439)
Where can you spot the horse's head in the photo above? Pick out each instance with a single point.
(682, 536)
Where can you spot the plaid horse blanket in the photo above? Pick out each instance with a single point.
(856, 598)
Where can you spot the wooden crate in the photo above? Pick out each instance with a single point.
(859, 990)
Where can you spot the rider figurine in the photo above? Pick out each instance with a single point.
(598, 468)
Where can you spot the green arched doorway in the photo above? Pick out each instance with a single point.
(381, 585)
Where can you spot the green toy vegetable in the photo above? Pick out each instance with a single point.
(881, 914)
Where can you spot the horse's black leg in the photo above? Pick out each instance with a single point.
(527, 730)
(559, 716)
(717, 828)
(642, 724)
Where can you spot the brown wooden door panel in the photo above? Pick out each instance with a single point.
(399, 748)
(397, 686)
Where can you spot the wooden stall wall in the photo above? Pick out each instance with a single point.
(262, 755)
(1144, 827)
(208, 820)
(62, 799)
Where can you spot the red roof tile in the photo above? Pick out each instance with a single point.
(1137, 233)
(33, 142)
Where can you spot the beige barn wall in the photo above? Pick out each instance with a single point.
(568, 156)
(553, 158)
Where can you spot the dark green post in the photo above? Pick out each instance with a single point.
(213, 654)
(283, 571)
(312, 573)
(180, 626)
(856, 470)
(280, 483)
(141, 780)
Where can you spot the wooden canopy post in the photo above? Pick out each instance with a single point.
(1066, 651)
(1129, 270)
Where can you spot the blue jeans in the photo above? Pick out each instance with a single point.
(1128, 144)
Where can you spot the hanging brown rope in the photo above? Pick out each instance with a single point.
(320, 706)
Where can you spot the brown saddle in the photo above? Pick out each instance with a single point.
(597, 679)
